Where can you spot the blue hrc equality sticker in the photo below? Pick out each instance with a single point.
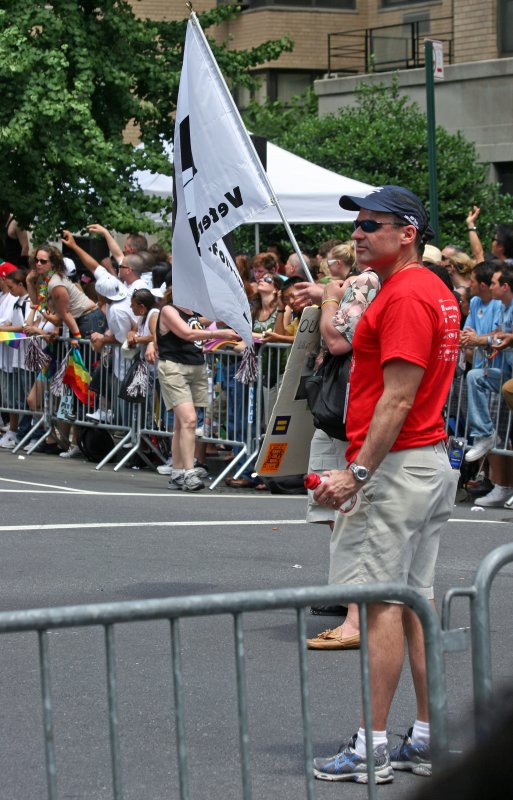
(281, 426)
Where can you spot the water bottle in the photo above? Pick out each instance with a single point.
(456, 451)
(348, 508)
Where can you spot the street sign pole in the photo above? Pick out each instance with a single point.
(431, 136)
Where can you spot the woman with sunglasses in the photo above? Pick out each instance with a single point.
(341, 260)
(47, 282)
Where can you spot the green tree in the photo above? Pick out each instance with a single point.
(74, 75)
(383, 139)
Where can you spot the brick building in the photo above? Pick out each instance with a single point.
(474, 30)
(339, 41)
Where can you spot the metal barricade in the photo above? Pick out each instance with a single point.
(236, 415)
(236, 604)
(480, 629)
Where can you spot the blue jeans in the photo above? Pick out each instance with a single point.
(479, 384)
(94, 321)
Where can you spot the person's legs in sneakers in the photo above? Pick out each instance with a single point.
(501, 475)
(183, 443)
(191, 482)
(414, 754)
(351, 765)
(479, 385)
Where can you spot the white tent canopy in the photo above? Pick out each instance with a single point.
(307, 193)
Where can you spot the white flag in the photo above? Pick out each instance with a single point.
(220, 184)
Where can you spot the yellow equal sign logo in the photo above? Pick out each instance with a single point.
(281, 426)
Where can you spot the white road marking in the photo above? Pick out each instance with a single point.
(45, 485)
(165, 524)
(177, 524)
(169, 494)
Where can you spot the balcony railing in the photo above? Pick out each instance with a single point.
(387, 48)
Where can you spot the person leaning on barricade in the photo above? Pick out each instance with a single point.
(484, 316)
(6, 304)
(47, 281)
(120, 320)
(18, 379)
(405, 351)
(485, 381)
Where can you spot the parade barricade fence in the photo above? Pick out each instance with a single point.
(237, 605)
(480, 629)
(236, 416)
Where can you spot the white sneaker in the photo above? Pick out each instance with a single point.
(74, 451)
(191, 483)
(166, 469)
(8, 440)
(481, 447)
(100, 416)
(200, 469)
(496, 498)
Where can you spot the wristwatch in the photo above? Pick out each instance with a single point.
(361, 473)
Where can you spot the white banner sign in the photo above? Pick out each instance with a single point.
(286, 446)
(220, 184)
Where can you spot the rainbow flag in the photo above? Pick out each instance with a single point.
(12, 338)
(78, 378)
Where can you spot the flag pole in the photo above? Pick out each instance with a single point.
(249, 144)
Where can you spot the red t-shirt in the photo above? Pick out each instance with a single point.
(415, 318)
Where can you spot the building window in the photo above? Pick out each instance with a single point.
(397, 3)
(505, 27)
(504, 173)
(338, 5)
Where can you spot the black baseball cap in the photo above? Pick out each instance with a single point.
(392, 200)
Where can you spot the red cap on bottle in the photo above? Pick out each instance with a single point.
(311, 481)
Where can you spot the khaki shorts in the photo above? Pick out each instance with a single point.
(395, 534)
(183, 383)
(325, 453)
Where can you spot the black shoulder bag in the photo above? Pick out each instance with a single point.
(326, 391)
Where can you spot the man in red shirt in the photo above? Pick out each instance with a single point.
(405, 350)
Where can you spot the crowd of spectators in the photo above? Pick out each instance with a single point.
(118, 300)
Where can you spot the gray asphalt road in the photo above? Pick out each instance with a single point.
(71, 535)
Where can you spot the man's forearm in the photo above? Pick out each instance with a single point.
(387, 421)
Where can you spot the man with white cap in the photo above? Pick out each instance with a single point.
(120, 317)
(405, 350)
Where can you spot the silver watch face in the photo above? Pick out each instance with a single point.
(360, 473)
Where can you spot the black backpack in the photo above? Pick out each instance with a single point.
(95, 443)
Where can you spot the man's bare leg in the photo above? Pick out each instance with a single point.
(417, 656)
(386, 656)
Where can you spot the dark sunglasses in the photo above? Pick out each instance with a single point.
(267, 279)
(371, 226)
(41, 260)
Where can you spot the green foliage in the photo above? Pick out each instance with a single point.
(383, 139)
(74, 75)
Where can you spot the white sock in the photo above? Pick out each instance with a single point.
(189, 471)
(176, 473)
(420, 733)
(378, 737)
